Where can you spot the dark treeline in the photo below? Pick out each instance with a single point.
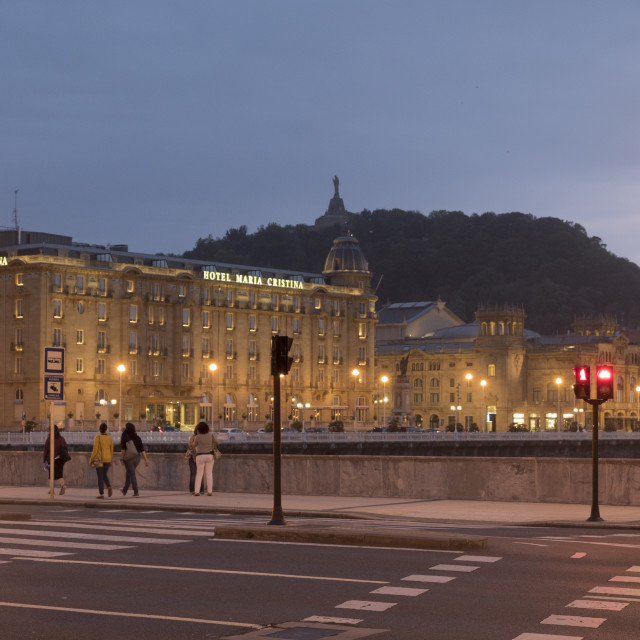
(551, 267)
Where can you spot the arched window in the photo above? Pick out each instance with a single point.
(435, 382)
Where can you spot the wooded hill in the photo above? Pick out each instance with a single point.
(551, 267)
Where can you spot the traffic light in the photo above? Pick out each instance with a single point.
(582, 386)
(280, 360)
(604, 382)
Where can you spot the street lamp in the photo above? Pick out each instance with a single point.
(483, 384)
(301, 408)
(638, 415)
(121, 370)
(456, 408)
(355, 373)
(384, 381)
(558, 382)
(212, 367)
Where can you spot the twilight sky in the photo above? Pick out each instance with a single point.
(156, 122)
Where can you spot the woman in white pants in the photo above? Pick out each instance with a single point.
(204, 444)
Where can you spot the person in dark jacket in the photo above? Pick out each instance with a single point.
(59, 444)
(132, 450)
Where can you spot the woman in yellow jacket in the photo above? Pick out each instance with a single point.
(101, 458)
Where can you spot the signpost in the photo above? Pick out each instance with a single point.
(53, 390)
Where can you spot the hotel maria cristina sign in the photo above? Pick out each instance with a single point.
(259, 281)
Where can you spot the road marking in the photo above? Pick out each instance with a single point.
(634, 569)
(425, 578)
(90, 536)
(545, 636)
(624, 579)
(478, 559)
(330, 620)
(532, 544)
(453, 567)
(616, 591)
(615, 599)
(601, 544)
(202, 570)
(102, 527)
(579, 555)
(148, 616)
(399, 591)
(366, 605)
(65, 545)
(574, 621)
(598, 604)
(326, 545)
(32, 554)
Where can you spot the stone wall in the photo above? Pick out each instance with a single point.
(504, 479)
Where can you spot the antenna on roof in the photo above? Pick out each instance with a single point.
(15, 208)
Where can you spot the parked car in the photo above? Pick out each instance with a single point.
(232, 433)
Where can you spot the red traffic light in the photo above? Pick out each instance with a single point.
(604, 382)
(582, 386)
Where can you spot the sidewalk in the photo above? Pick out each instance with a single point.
(340, 515)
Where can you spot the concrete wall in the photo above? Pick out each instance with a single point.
(505, 479)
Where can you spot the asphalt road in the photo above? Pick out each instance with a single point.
(75, 572)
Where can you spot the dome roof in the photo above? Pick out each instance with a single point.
(345, 255)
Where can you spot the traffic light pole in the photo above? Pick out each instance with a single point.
(277, 516)
(595, 509)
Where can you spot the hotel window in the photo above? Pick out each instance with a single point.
(253, 354)
(229, 321)
(133, 342)
(79, 365)
(57, 337)
(320, 327)
(19, 308)
(452, 382)
(57, 282)
(133, 313)
(317, 303)
(133, 368)
(182, 291)
(336, 355)
(18, 342)
(80, 336)
(102, 340)
(230, 298)
(19, 280)
(296, 304)
(101, 367)
(206, 323)
(296, 352)
(296, 326)
(102, 286)
(537, 395)
(155, 368)
(205, 347)
(57, 308)
(102, 311)
(435, 382)
(295, 374)
(252, 323)
(362, 330)
(491, 370)
(274, 302)
(228, 349)
(336, 328)
(252, 300)
(160, 316)
(206, 296)
(152, 315)
(435, 398)
(155, 291)
(19, 394)
(335, 376)
(274, 324)
(252, 373)
(362, 310)
(18, 365)
(186, 346)
(130, 286)
(452, 398)
(229, 375)
(417, 398)
(320, 376)
(321, 354)
(80, 284)
(186, 317)
(186, 370)
(362, 355)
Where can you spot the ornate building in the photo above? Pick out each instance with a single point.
(140, 333)
(493, 373)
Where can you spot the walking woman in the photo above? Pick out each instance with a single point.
(205, 444)
(60, 456)
(101, 459)
(132, 448)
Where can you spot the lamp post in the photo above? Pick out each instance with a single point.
(468, 377)
(121, 370)
(384, 381)
(212, 368)
(558, 382)
(355, 373)
(638, 414)
(302, 407)
(456, 408)
(483, 384)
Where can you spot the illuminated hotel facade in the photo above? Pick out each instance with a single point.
(140, 334)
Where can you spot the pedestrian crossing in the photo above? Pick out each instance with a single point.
(66, 534)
